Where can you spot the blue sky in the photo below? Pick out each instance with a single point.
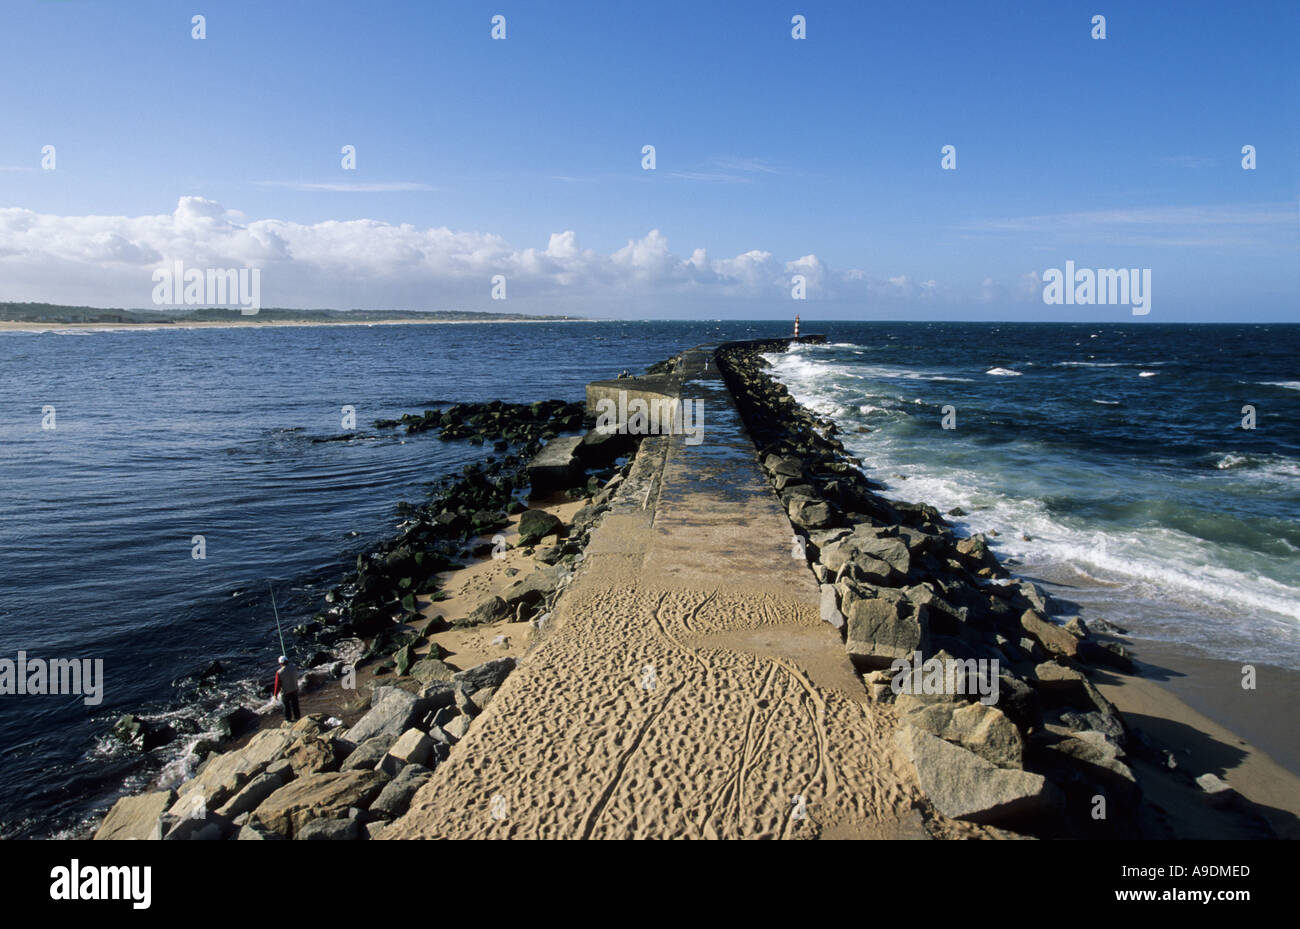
(1118, 153)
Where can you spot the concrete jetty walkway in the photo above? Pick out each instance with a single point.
(686, 687)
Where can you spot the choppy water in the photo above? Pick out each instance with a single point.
(1116, 449)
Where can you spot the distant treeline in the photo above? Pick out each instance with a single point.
(53, 313)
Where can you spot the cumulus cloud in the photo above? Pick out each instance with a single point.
(109, 260)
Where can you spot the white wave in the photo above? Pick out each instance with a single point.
(1106, 402)
(1003, 372)
(1108, 364)
(1287, 385)
(1232, 461)
(1147, 373)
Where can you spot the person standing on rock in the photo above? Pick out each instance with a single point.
(286, 687)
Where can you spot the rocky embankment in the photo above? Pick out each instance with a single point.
(1048, 755)
(320, 779)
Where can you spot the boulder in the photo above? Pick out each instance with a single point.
(254, 792)
(458, 727)
(335, 830)
(597, 448)
(885, 627)
(310, 755)
(369, 754)
(428, 670)
(783, 464)
(395, 799)
(318, 796)
(491, 610)
(1054, 638)
(535, 588)
(233, 723)
(962, 785)
(556, 466)
(1095, 757)
(226, 774)
(254, 831)
(393, 715)
(136, 817)
(830, 606)
(489, 674)
(808, 513)
(413, 747)
(983, 729)
(534, 525)
(482, 697)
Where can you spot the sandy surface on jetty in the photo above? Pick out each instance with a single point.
(687, 688)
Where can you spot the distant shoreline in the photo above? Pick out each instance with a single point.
(250, 323)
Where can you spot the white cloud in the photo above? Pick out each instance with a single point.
(109, 261)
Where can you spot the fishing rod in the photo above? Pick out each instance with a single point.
(283, 650)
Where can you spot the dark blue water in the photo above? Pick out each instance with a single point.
(1140, 491)
(1117, 450)
(164, 435)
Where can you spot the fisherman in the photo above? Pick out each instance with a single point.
(286, 687)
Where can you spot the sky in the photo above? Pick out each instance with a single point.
(774, 156)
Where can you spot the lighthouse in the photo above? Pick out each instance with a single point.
(796, 325)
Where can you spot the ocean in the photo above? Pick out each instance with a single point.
(1109, 460)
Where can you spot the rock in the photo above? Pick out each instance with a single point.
(1034, 594)
(318, 796)
(556, 466)
(310, 755)
(535, 588)
(136, 817)
(1070, 686)
(413, 747)
(225, 775)
(884, 627)
(534, 525)
(489, 674)
(984, 730)
(395, 799)
(830, 606)
(962, 785)
(599, 448)
(491, 610)
(331, 829)
(234, 723)
(144, 734)
(254, 792)
(458, 727)
(392, 716)
(404, 658)
(808, 513)
(1217, 790)
(892, 551)
(783, 464)
(1092, 756)
(482, 697)
(438, 694)
(1077, 628)
(1052, 637)
(428, 670)
(253, 831)
(369, 754)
